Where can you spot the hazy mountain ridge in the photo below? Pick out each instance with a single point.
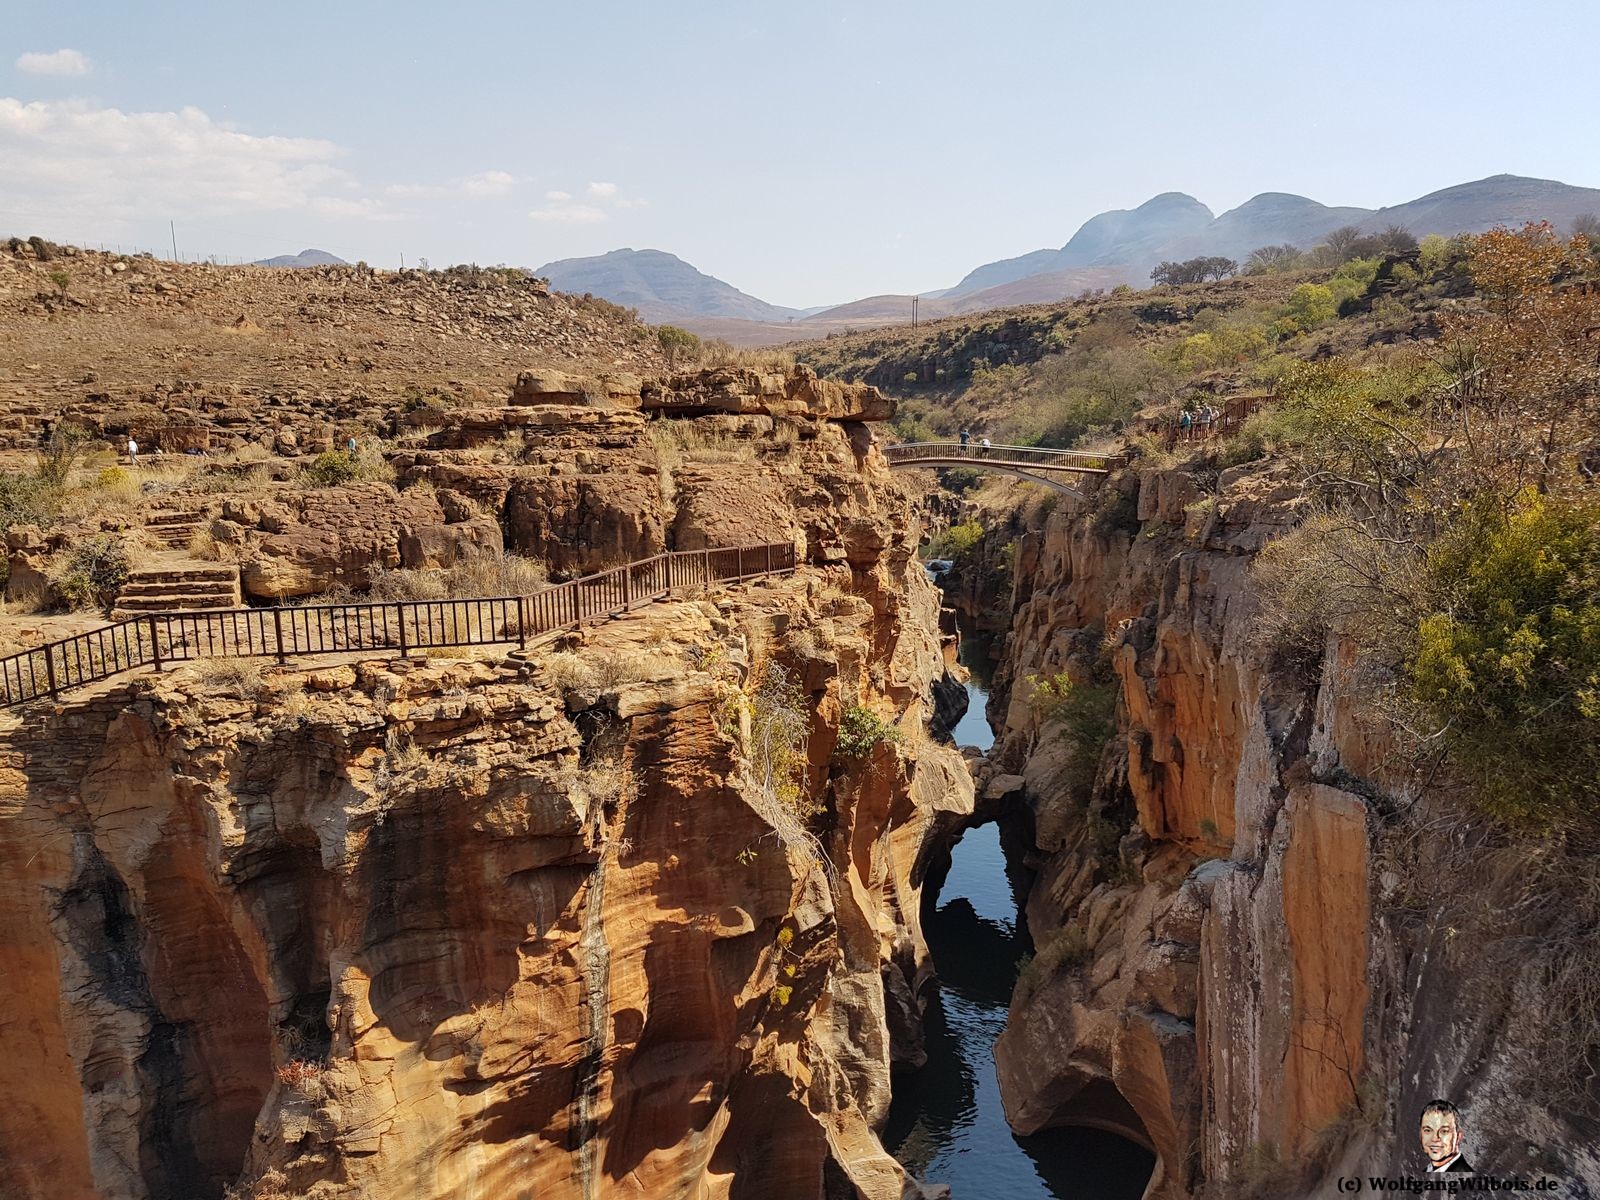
(1119, 246)
(661, 286)
(310, 257)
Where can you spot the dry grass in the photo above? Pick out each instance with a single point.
(717, 353)
(239, 677)
(481, 574)
(678, 442)
(204, 547)
(600, 671)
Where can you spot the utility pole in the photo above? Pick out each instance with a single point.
(173, 227)
(914, 300)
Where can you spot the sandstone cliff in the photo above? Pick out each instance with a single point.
(490, 927)
(1254, 954)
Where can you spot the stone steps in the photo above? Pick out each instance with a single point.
(178, 587)
(174, 529)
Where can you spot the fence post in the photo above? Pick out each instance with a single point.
(400, 611)
(50, 671)
(705, 564)
(627, 587)
(277, 630)
(522, 622)
(769, 558)
(155, 642)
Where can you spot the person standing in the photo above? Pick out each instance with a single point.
(1185, 425)
(966, 437)
(133, 451)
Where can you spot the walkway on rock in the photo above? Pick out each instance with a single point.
(158, 639)
(1037, 465)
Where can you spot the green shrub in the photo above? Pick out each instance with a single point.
(1508, 666)
(860, 729)
(675, 342)
(1086, 714)
(26, 500)
(334, 468)
(95, 570)
(958, 541)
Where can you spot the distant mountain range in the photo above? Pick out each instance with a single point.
(660, 285)
(306, 258)
(1114, 247)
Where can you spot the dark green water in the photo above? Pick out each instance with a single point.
(946, 1123)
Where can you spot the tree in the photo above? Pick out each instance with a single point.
(1340, 242)
(1264, 260)
(62, 281)
(1194, 270)
(1397, 239)
(675, 341)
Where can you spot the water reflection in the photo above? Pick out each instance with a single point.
(946, 1123)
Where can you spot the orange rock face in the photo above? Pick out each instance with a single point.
(464, 929)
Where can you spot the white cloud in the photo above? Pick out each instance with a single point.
(571, 214)
(488, 183)
(484, 183)
(603, 191)
(558, 197)
(60, 62)
(107, 165)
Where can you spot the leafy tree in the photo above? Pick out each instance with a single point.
(62, 281)
(1194, 270)
(1509, 664)
(675, 341)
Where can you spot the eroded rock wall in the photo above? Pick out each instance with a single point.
(483, 928)
(1244, 961)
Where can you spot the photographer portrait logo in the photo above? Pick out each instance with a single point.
(1441, 1138)
(1441, 1130)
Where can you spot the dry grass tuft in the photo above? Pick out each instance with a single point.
(484, 574)
(679, 441)
(240, 677)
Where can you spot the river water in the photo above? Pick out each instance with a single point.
(946, 1123)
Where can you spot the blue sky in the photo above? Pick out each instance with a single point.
(807, 153)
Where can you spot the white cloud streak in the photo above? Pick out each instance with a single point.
(58, 62)
(111, 165)
(602, 191)
(570, 214)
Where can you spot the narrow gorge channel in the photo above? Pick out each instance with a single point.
(947, 1124)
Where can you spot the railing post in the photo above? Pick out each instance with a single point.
(769, 558)
(522, 622)
(627, 587)
(400, 612)
(155, 642)
(705, 564)
(277, 630)
(50, 672)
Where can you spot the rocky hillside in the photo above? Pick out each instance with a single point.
(93, 334)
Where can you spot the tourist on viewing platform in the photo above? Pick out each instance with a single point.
(1185, 425)
(966, 437)
(984, 444)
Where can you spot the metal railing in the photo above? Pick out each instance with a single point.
(1076, 461)
(158, 639)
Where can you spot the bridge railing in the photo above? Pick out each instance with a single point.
(1080, 461)
(157, 639)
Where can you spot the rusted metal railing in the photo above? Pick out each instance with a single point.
(157, 639)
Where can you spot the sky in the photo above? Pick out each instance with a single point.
(808, 153)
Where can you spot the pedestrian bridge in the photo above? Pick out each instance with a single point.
(1075, 472)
